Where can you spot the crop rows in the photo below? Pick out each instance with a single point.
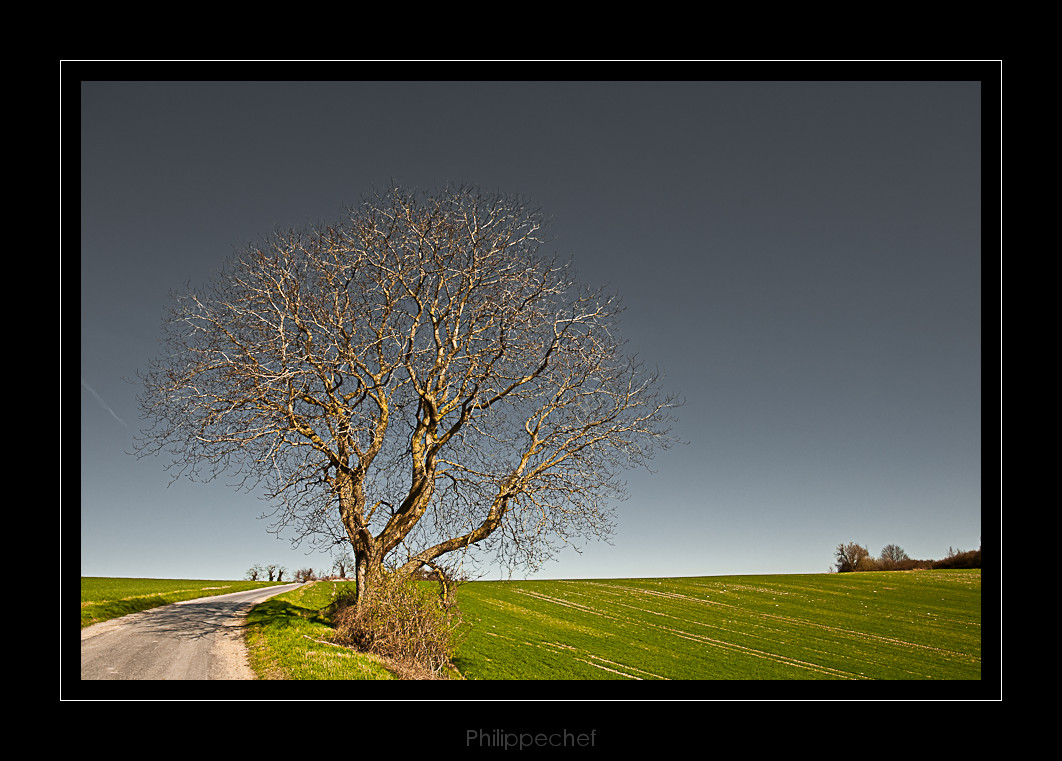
(889, 625)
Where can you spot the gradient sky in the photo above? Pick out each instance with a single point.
(801, 258)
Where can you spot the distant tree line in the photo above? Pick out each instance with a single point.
(855, 557)
(270, 572)
(343, 569)
(342, 565)
(276, 573)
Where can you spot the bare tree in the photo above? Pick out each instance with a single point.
(342, 564)
(892, 555)
(416, 381)
(849, 556)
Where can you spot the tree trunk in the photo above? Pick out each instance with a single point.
(367, 571)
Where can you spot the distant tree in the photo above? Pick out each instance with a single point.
(868, 563)
(849, 556)
(281, 570)
(417, 380)
(342, 564)
(960, 559)
(271, 569)
(892, 555)
(254, 572)
(305, 574)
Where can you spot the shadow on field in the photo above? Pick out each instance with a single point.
(281, 614)
(105, 611)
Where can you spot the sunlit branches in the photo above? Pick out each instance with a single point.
(418, 379)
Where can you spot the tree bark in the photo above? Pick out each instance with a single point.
(368, 568)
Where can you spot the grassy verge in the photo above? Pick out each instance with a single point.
(288, 637)
(104, 598)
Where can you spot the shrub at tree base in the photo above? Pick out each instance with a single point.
(402, 622)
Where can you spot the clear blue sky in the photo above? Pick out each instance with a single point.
(803, 259)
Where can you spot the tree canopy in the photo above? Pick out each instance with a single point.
(415, 381)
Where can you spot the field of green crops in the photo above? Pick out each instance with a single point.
(918, 625)
(104, 598)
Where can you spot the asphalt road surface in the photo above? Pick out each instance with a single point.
(195, 639)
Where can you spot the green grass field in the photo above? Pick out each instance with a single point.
(916, 625)
(104, 598)
(889, 625)
(288, 639)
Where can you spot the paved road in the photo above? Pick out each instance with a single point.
(196, 639)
